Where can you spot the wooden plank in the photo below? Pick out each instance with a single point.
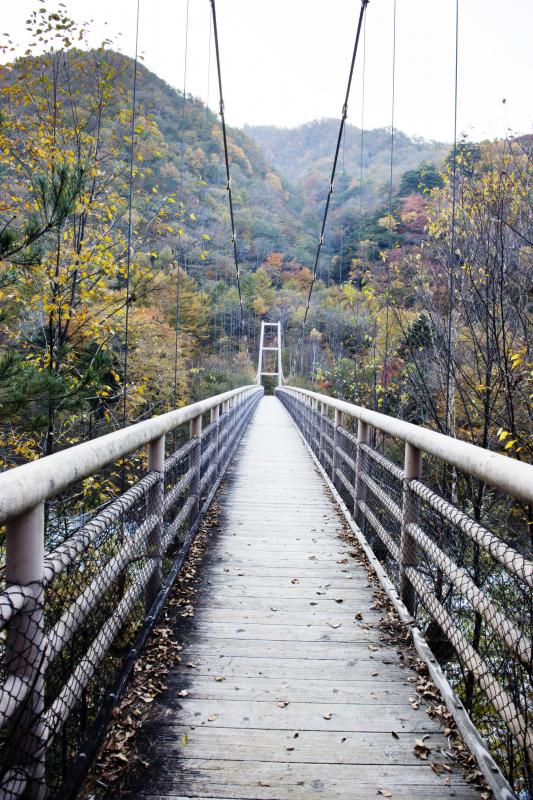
(261, 689)
(334, 630)
(262, 569)
(288, 591)
(311, 747)
(275, 781)
(271, 614)
(315, 669)
(350, 604)
(297, 651)
(299, 716)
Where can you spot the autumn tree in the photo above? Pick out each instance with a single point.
(66, 255)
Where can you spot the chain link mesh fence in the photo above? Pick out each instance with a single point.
(459, 553)
(66, 637)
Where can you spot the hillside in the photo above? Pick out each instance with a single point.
(304, 154)
(268, 208)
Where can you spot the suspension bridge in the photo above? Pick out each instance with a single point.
(331, 533)
(286, 685)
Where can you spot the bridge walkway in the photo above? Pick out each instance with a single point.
(291, 692)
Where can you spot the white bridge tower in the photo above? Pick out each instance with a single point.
(270, 342)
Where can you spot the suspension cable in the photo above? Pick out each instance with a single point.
(130, 206)
(451, 287)
(344, 115)
(226, 158)
(391, 165)
(341, 245)
(359, 278)
(180, 204)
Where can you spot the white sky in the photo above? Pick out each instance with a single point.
(285, 62)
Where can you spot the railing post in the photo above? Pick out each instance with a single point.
(156, 463)
(323, 413)
(336, 439)
(25, 646)
(314, 426)
(363, 437)
(215, 413)
(412, 471)
(310, 422)
(196, 464)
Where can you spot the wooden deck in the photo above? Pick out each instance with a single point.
(290, 696)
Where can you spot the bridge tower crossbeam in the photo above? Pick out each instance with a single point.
(266, 329)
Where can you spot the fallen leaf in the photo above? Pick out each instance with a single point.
(184, 739)
(421, 750)
(384, 793)
(373, 647)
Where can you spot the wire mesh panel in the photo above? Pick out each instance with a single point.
(72, 607)
(458, 549)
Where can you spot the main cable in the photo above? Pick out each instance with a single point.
(226, 158)
(344, 115)
(451, 287)
(180, 209)
(130, 227)
(384, 373)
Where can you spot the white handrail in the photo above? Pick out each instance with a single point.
(24, 487)
(507, 474)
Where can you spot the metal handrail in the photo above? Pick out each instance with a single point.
(507, 474)
(24, 487)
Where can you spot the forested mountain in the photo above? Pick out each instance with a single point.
(188, 141)
(304, 155)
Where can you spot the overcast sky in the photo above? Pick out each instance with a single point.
(285, 62)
